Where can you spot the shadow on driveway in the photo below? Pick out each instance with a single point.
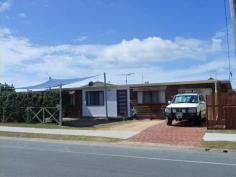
(187, 124)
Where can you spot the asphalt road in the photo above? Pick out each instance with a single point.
(25, 158)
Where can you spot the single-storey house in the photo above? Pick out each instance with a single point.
(147, 99)
(89, 101)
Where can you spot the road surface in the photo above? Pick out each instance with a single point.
(27, 158)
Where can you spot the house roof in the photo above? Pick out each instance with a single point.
(96, 84)
(211, 81)
(99, 84)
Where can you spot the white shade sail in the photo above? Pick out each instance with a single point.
(55, 83)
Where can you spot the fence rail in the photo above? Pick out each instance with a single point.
(42, 114)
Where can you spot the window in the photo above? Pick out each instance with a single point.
(185, 99)
(147, 97)
(201, 98)
(72, 99)
(151, 97)
(95, 98)
(140, 97)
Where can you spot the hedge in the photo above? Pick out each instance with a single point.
(13, 104)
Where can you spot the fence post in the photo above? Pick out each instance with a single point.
(27, 112)
(44, 115)
(3, 115)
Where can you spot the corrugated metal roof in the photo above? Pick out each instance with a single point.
(182, 83)
(99, 84)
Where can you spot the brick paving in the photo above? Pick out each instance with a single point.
(181, 134)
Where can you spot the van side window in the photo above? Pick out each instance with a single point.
(201, 98)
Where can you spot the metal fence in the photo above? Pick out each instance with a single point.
(221, 111)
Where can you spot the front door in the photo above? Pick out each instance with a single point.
(122, 105)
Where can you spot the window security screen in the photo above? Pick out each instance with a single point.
(95, 98)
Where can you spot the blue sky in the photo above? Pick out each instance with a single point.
(161, 40)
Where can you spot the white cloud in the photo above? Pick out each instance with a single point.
(4, 6)
(4, 32)
(155, 57)
(156, 49)
(80, 38)
(22, 15)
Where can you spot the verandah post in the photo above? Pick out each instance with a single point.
(105, 94)
(60, 110)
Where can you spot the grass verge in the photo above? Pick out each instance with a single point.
(222, 131)
(60, 137)
(36, 125)
(219, 145)
(88, 126)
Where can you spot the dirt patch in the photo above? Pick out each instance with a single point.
(132, 125)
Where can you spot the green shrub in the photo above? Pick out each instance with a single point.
(13, 104)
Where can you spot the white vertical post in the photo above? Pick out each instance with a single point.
(1, 102)
(27, 107)
(233, 19)
(216, 87)
(105, 94)
(60, 111)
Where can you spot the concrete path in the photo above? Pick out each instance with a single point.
(97, 133)
(219, 137)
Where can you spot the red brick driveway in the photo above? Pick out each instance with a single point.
(181, 134)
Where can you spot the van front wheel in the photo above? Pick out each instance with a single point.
(169, 121)
(198, 120)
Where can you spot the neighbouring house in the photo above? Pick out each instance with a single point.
(148, 99)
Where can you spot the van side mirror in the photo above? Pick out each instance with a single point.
(202, 102)
(169, 102)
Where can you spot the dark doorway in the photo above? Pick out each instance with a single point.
(122, 105)
(72, 104)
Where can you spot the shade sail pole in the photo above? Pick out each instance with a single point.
(0, 89)
(60, 111)
(105, 89)
(232, 4)
(27, 106)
